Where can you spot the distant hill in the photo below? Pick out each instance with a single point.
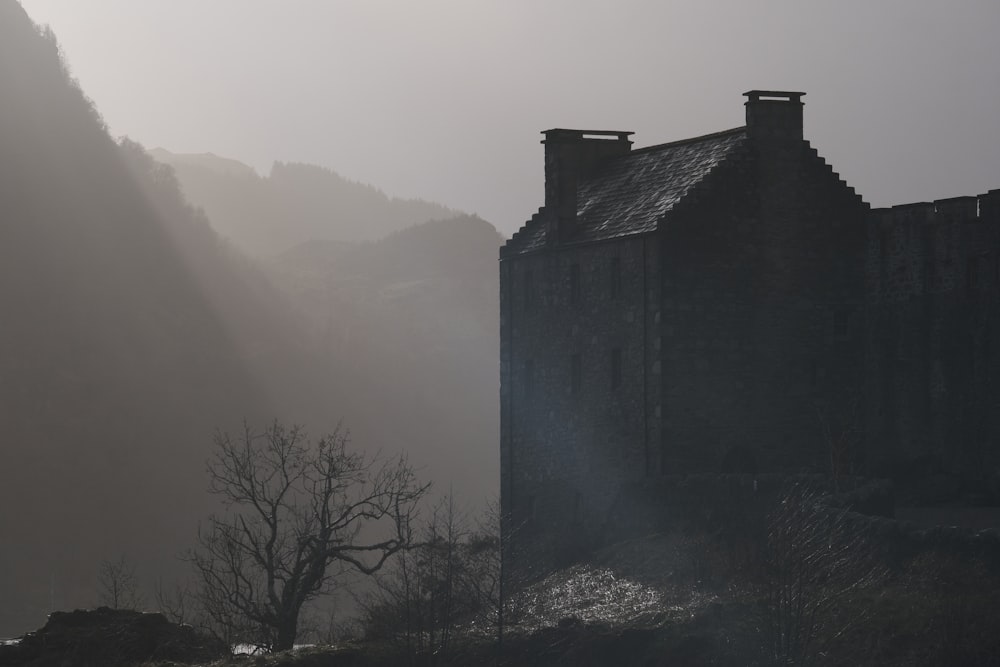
(417, 315)
(295, 203)
(204, 161)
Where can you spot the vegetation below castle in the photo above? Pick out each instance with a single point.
(800, 582)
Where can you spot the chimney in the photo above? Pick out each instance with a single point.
(570, 157)
(774, 116)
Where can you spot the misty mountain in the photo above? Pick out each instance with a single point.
(130, 332)
(416, 315)
(133, 329)
(293, 204)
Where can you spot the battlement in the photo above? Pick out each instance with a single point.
(979, 208)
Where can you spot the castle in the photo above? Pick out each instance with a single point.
(728, 303)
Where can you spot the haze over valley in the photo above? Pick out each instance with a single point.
(222, 221)
(137, 326)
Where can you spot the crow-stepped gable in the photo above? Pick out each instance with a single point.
(729, 303)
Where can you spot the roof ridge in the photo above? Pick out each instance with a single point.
(690, 140)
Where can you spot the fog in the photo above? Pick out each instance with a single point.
(444, 100)
(316, 239)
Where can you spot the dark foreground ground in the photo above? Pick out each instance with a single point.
(665, 599)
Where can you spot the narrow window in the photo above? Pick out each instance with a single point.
(883, 244)
(529, 289)
(841, 323)
(529, 378)
(972, 274)
(576, 373)
(574, 283)
(616, 277)
(616, 368)
(529, 509)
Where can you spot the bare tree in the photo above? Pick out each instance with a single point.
(177, 605)
(816, 560)
(294, 509)
(448, 581)
(119, 588)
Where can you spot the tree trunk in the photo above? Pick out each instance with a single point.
(287, 629)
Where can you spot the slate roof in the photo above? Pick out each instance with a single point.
(632, 193)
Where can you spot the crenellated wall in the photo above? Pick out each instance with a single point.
(932, 384)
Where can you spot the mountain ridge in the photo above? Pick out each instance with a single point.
(313, 202)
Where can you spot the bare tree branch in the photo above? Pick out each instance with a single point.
(293, 509)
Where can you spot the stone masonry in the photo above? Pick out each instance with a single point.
(728, 304)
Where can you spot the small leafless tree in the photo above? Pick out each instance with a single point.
(177, 605)
(119, 588)
(816, 560)
(448, 580)
(295, 508)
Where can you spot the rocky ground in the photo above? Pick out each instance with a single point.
(666, 599)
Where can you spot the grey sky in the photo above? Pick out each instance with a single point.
(444, 99)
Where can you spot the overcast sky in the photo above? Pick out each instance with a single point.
(445, 99)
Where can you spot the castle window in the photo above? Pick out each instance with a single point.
(529, 509)
(841, 322)
(972, 274)
(574, 283)
(529, 289)
(616, 277)
(529, 378)
(883, 244)
(576, 373)
(616, 368)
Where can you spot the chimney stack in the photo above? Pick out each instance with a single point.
(774, 116)
(570, 157)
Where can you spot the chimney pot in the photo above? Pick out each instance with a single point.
(774, 115)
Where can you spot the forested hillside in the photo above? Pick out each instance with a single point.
(132, 330)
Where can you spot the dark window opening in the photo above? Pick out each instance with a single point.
(576, 373)
(616, 277)
(972, 275)
(574, 283)
(883, 244)
(616, 368)
(529, 289)
(529, 509)
(841, 323)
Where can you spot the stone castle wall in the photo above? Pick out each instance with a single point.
(579, 381)
(932, 382)
(763, 301)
